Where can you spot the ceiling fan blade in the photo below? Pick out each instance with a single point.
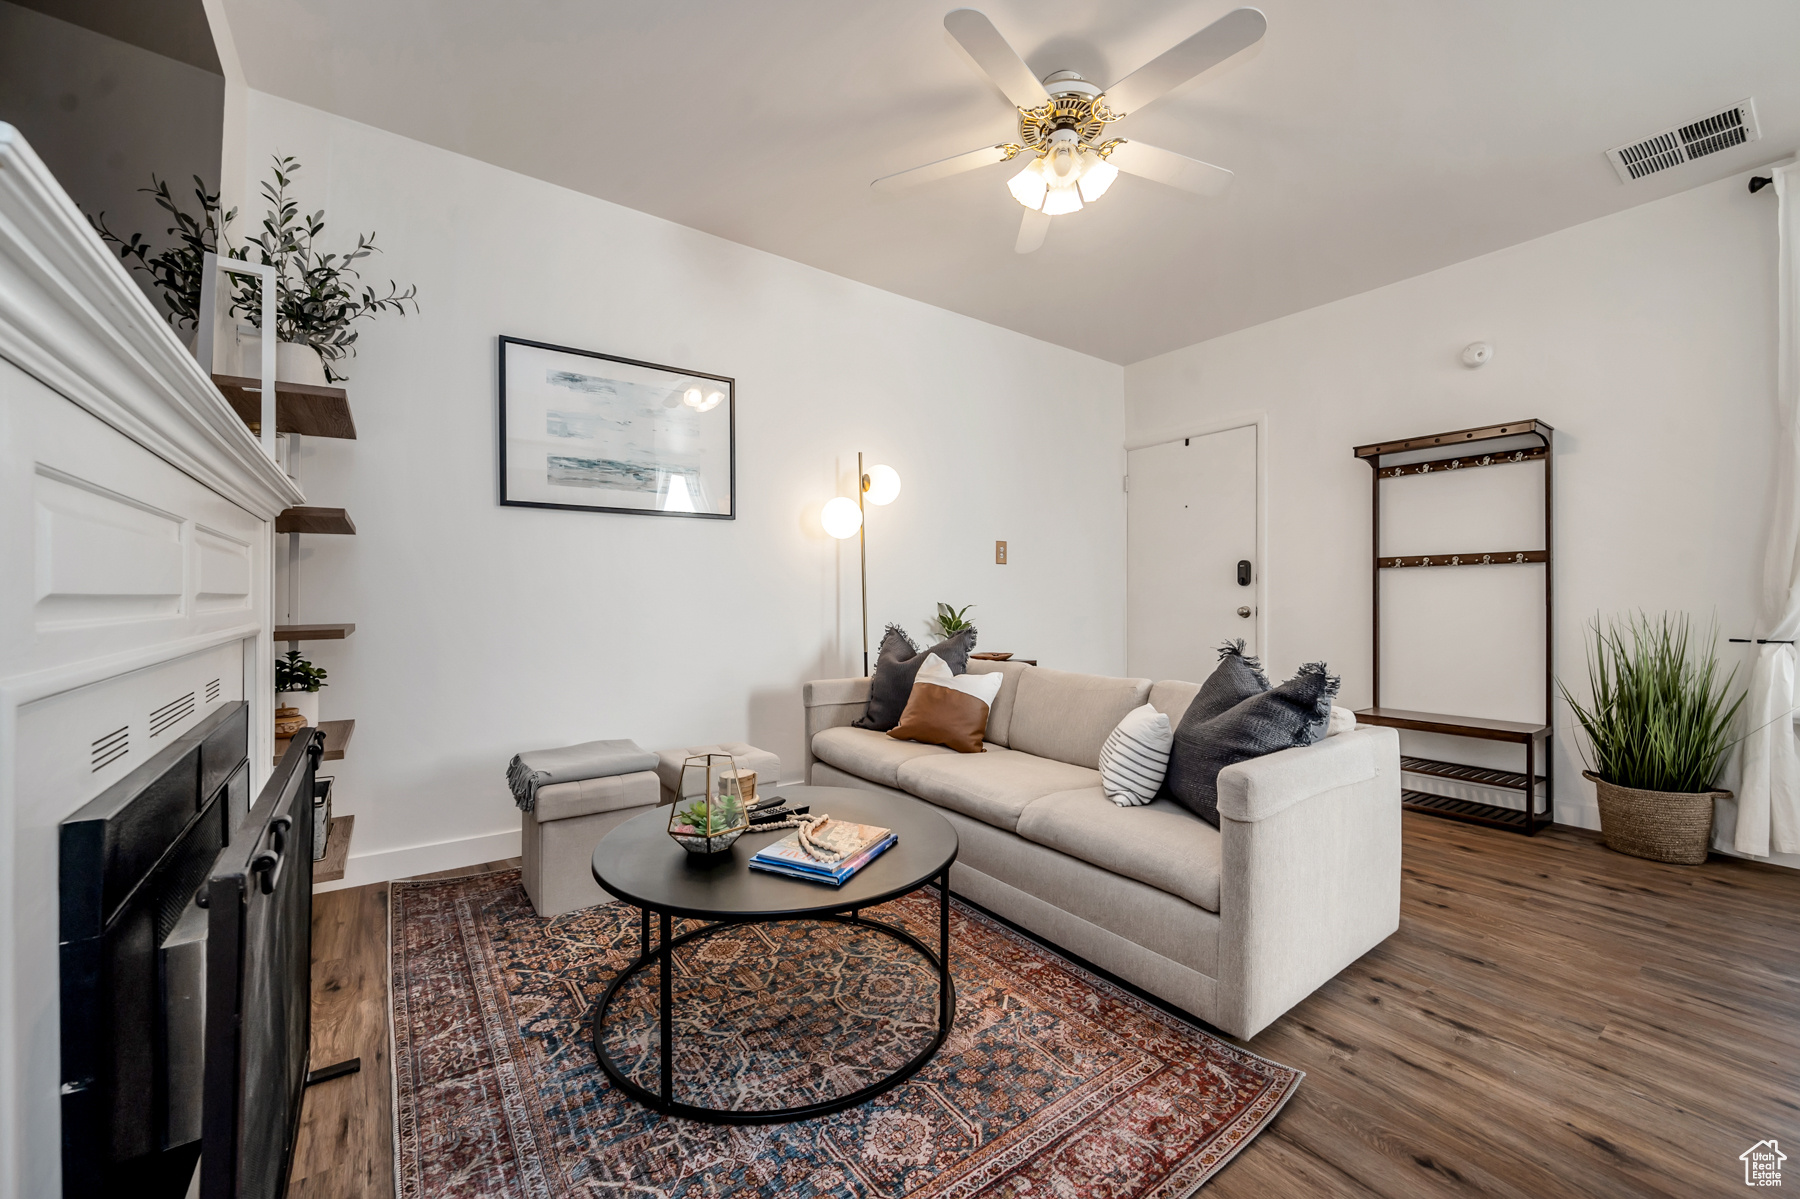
(996, 57)
(1235, 31)
(1031, 232)
(943, 168)
(1166, 166)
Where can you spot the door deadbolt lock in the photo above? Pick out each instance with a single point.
(1244, 612)
(1243, 572)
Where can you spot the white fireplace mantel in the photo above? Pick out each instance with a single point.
(136, 563)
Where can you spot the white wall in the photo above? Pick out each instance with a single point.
(485, 630)
(1646, 338)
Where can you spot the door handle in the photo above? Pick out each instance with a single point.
(1244, 612)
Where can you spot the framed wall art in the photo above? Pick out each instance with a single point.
(595, 433)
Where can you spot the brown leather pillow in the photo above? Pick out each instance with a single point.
(946, 709)
(942, 716)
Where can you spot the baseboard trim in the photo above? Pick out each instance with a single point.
(387, 864)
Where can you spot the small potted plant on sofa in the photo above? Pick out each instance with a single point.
(1659, 725)
(297, 684)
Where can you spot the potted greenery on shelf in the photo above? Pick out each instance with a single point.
(297, 684)
(175, 270)
(317, 299)
(1659, 726)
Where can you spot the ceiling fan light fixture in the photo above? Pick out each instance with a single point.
(1060, 201)
(1029, 185)
(1098, 176)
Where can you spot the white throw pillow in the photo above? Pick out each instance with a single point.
(1343, 720)
(1136, 756)
(983, 687)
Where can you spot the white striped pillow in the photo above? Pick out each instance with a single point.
(1136, 756)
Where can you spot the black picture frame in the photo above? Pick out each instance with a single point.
(676, 374)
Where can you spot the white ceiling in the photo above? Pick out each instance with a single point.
(1372, 141)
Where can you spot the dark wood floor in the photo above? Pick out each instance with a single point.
(1552, 1019)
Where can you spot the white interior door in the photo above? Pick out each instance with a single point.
(1191, 519)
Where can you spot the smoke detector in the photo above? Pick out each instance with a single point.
(1708, 135)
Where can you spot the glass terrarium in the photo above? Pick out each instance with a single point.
(709, 812)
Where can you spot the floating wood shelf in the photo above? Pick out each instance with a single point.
(1455, 726)
(313, 632)
(337, 739)
(299, 407)
(330, 868)
(315, 520)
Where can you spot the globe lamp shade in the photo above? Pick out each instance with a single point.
(841, 517)
(881, 484)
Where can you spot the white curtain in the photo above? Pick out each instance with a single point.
(1768, 803)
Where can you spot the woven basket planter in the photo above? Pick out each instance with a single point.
(1664, 826)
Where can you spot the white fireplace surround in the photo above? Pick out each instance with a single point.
(136, 519)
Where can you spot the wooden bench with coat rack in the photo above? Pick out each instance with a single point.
(1512, 443)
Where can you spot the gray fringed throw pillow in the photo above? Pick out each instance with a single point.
(1293, 714)
(895, 667)
(1234, 680)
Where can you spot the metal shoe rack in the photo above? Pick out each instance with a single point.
(1463, 449)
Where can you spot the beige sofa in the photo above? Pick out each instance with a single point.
(1235, 924)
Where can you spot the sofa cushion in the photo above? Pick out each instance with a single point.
(1162, 844)
(1066, 716)
(1171, 697)
(869, 754)
(993, 786)
(1000, 712)
(585, 797)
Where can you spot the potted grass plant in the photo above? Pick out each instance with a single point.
(1659, 725)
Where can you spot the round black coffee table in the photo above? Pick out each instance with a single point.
(640, 864)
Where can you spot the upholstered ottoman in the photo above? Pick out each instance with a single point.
(561, 822)
(747, 757)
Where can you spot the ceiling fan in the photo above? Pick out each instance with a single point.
(1063, 118)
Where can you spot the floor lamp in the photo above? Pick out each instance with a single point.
(878, 485)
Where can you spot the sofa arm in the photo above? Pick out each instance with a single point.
(1310, 870)
(1260, 788)
(830, 704)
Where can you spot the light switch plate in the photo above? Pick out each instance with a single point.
(1000, 553)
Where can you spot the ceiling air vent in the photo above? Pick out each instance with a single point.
(1684, 143)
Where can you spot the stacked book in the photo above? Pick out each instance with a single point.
(859, 844)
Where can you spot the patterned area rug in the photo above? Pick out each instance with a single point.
(1053, 1082)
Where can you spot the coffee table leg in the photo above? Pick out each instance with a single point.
(944, 1012)
(668, 1015)
(643, 933)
